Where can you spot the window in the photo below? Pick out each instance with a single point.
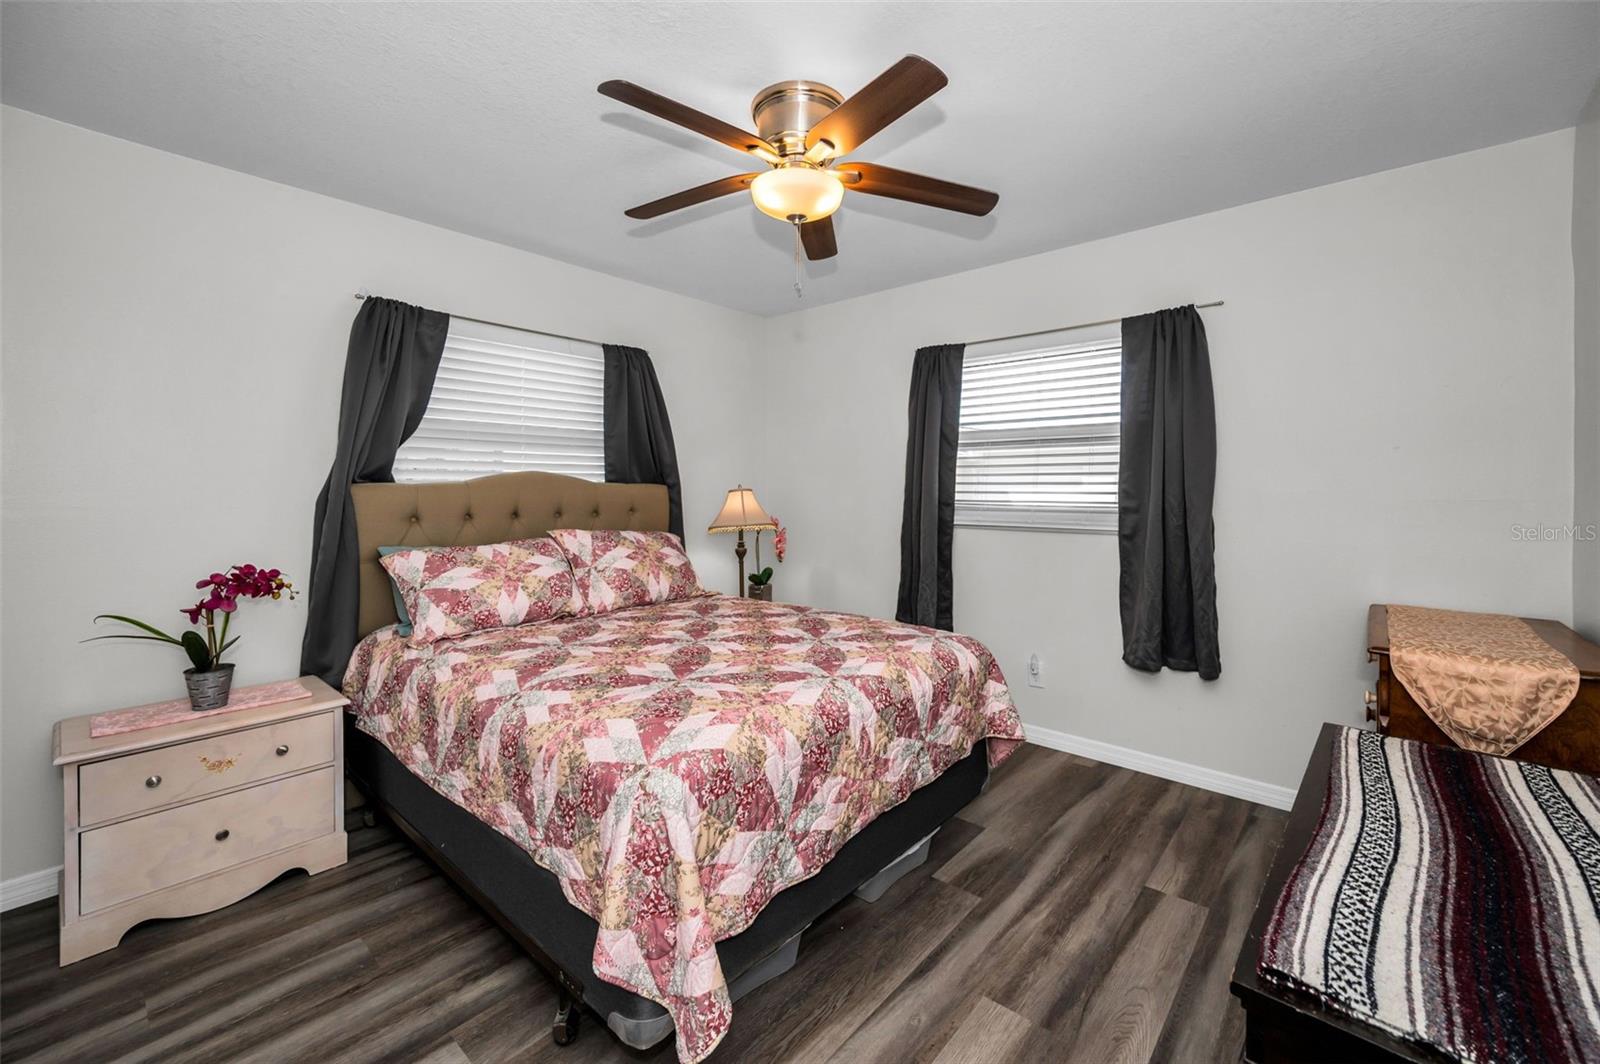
(1040, 428)
(508, 400)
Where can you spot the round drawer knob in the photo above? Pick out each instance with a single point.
(222, 835)
(283, 750)
(153, 781)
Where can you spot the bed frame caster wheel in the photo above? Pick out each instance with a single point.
(564, 1031)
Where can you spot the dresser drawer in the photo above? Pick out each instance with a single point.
(134, 857)
(132, 784)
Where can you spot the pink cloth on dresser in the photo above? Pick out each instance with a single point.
(175, 710)
(1486, 679)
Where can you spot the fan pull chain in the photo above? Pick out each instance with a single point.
(799, 291)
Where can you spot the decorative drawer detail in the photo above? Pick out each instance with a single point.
(130, 859)
(123, 786)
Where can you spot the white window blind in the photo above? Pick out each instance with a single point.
(507, 400)
(1040, 431)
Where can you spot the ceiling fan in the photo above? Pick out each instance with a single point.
(804, 130)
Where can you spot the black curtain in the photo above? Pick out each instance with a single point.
(638, 436)
(388, 376)
(927, 525)
(1165, 483)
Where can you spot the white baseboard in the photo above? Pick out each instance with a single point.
(34, 886)
(1168, 769)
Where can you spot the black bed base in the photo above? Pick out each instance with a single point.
(527, 902)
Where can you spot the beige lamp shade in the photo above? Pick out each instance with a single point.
(741, 513)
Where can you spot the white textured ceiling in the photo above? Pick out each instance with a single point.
(1088, 119)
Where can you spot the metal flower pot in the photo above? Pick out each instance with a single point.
(209, 690)
(761, 591)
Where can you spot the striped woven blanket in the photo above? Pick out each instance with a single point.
(1449, 899)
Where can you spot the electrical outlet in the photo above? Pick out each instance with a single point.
(1035, 671)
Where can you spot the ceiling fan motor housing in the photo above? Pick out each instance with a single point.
(786, 111)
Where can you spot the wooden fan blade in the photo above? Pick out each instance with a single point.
(903, 185)
(690, 196)
(818, 239)
(887, 97)
(687, 117)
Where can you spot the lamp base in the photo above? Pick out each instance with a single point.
(739, 552)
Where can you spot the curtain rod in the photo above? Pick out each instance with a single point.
(1065, 328)
(363, 294)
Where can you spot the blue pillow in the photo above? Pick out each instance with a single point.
(399, 603)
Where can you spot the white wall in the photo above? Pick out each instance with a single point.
(1586, 371)
(1393, 371)
(174, 337)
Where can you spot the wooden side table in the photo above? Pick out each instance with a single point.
(189, 817)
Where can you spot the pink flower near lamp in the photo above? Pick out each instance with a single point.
(210, 679)
(761, 579)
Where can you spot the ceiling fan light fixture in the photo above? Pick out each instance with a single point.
(797, 192)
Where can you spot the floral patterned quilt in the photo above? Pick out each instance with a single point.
(676, 765)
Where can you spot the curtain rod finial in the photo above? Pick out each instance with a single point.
(362, 293)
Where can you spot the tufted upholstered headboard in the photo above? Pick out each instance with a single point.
(486, 510)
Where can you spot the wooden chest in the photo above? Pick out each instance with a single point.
(1571, 741)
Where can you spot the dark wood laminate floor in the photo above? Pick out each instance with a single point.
(1074, 912)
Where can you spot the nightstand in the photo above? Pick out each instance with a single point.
(189, 817)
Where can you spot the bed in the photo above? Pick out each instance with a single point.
(655, 803)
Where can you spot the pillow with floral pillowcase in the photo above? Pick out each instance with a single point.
(452, 591)
(402, 618)
(613, 570)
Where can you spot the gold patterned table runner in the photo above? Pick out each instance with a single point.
(1487, 680)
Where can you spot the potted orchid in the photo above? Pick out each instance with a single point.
(210, 679)
(761, 579)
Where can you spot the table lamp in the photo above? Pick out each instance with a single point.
(741, 513)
